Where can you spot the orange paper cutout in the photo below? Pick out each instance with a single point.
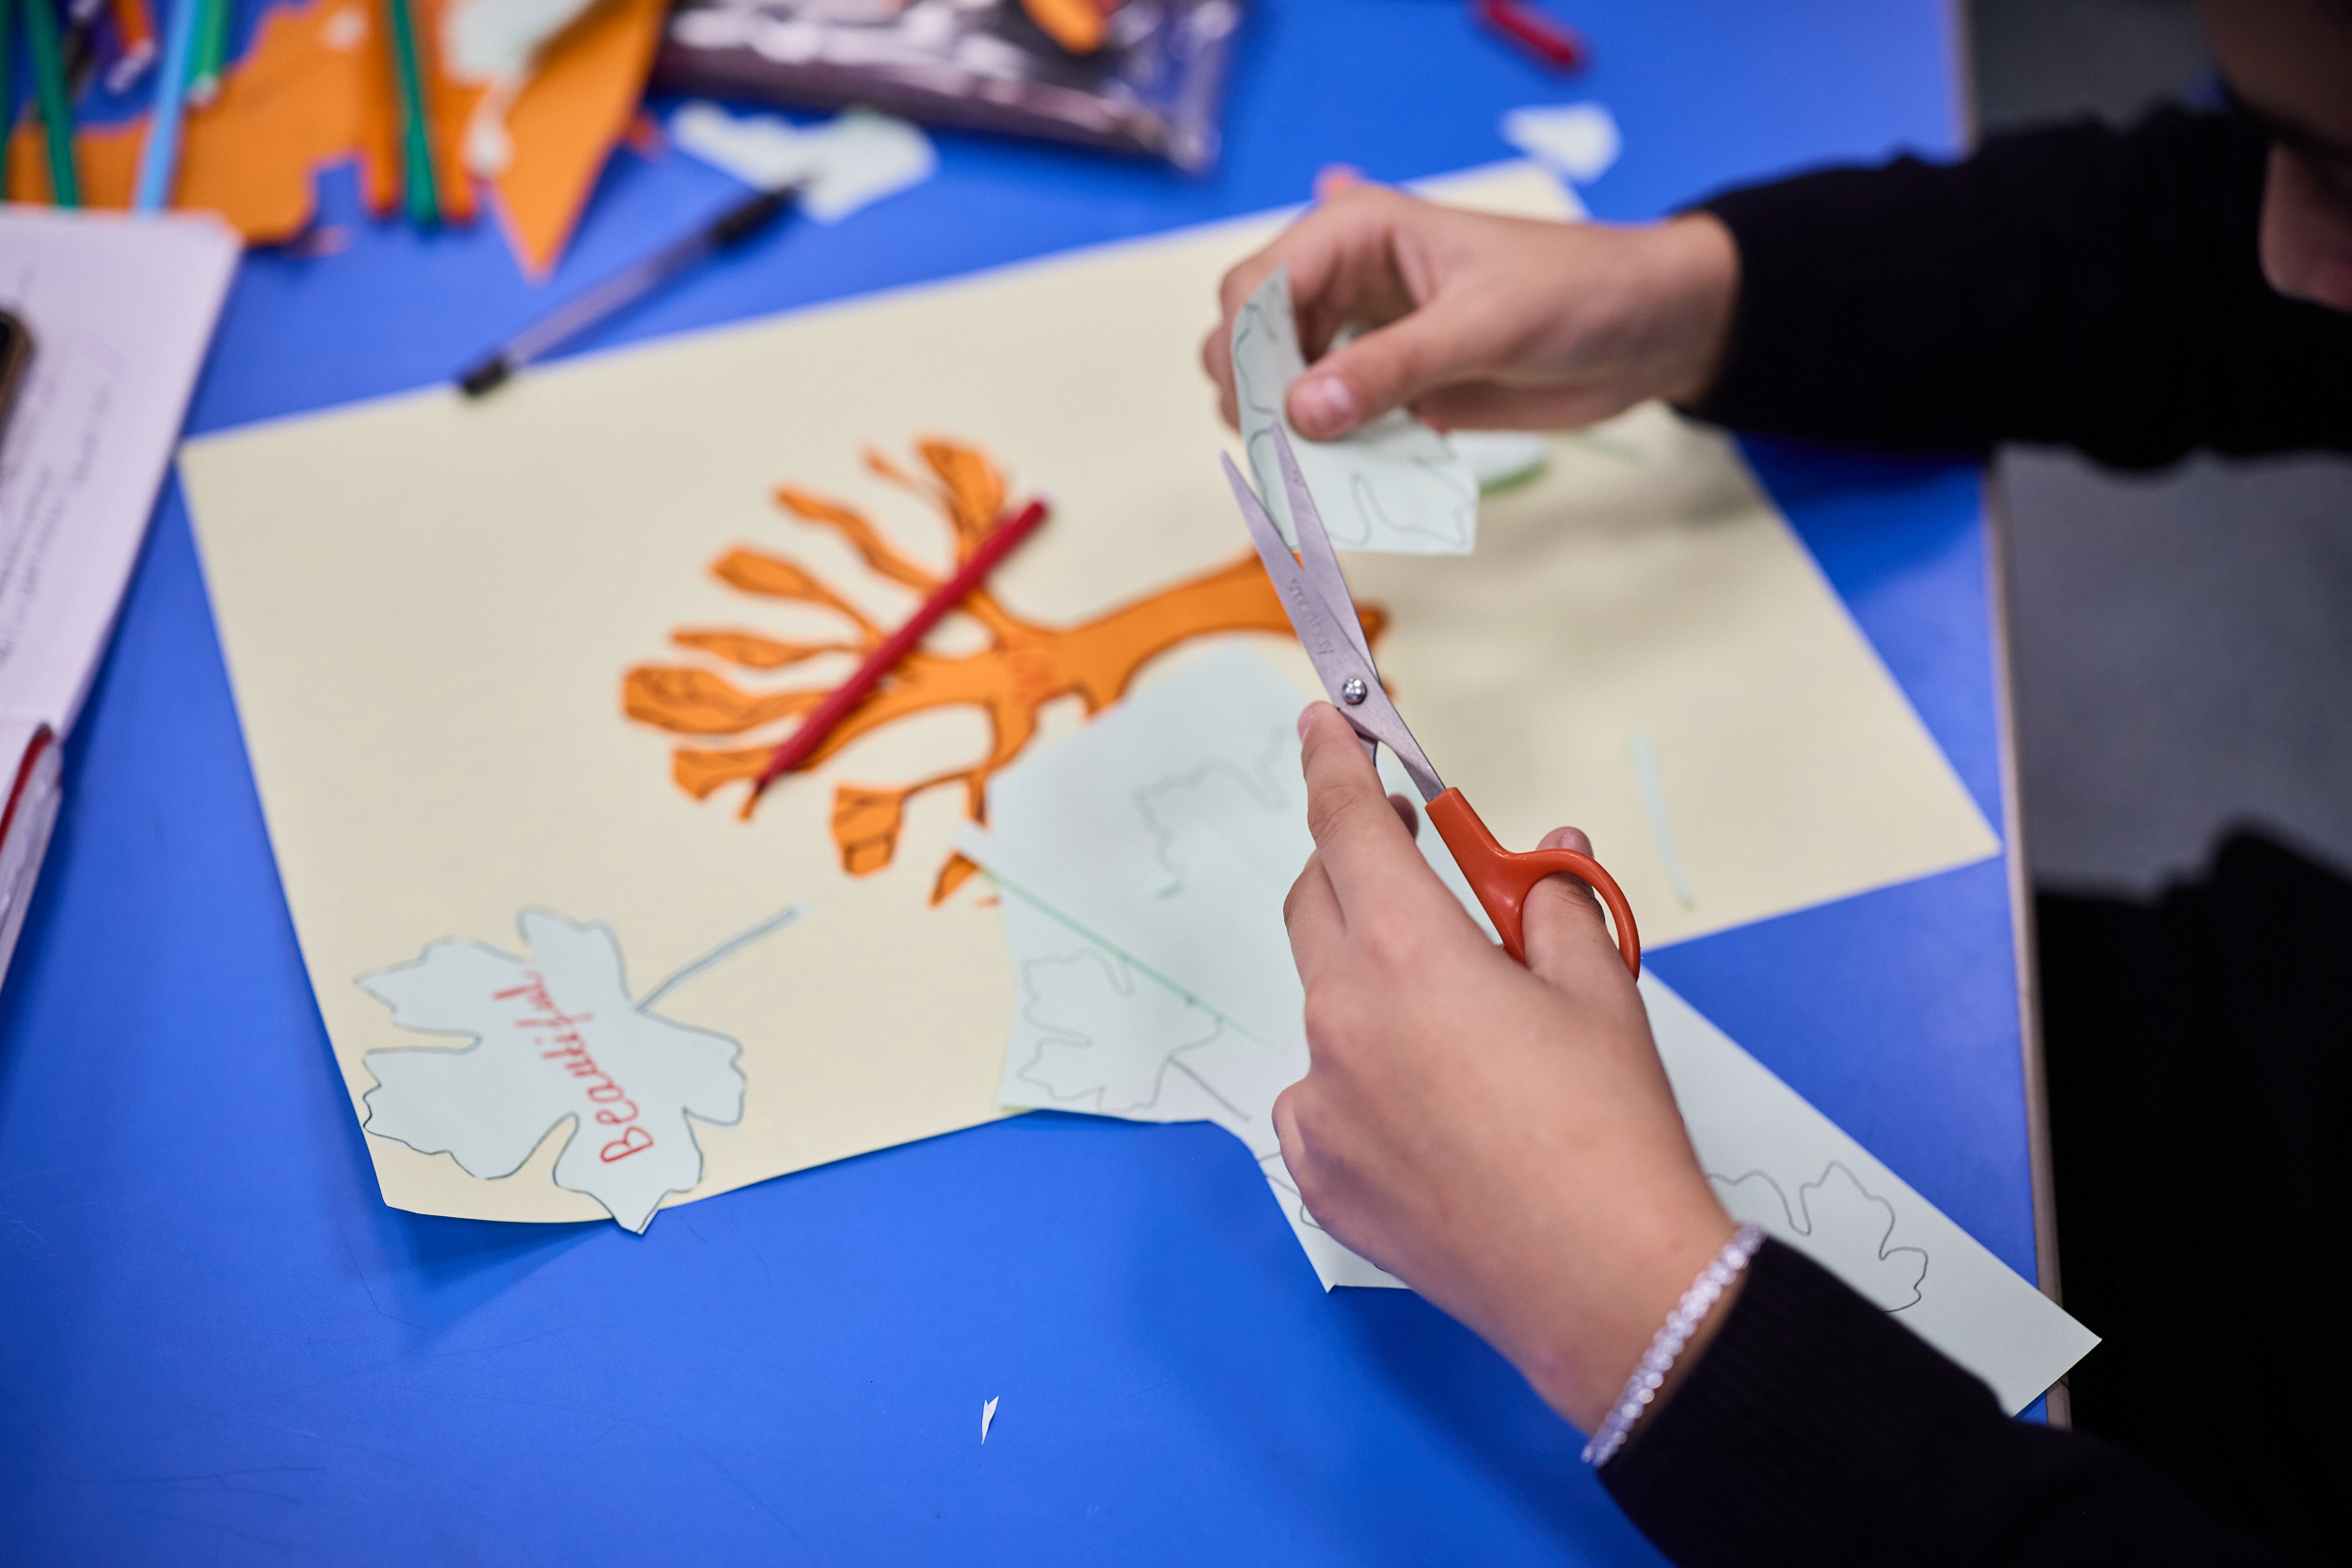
(1025, 666)
(314, 89)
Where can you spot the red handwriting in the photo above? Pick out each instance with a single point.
(615, 1108)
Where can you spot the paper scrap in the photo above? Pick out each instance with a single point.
(1575, 141)
(1394, 486)
(1776, 1160)
(1643, 752)
(121, 314)
(849, 162)
(988, 1418)
(551, 1036)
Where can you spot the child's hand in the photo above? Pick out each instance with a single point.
(1502, 1139)
(1488, 323)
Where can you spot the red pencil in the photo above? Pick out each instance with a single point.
(802, 742)
(1557, 46)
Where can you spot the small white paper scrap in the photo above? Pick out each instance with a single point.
(1394, 486)
(988, 1418)
(1575, 141)
(849, 162)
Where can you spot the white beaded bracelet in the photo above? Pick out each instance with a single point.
(1673, 1335)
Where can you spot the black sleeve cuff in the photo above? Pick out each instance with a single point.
(1816, 1430)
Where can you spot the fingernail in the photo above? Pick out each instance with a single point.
(1323, 405)
(1306, 717)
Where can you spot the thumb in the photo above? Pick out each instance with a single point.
(1568, 944)
(1383, 370)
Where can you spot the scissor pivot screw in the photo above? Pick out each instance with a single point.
(1354, 690)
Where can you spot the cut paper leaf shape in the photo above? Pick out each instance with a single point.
(1394, 486)
(550, 1038)
(1180, 1061)
(1839, 1225)
(1106, 1040)
(1246, 808)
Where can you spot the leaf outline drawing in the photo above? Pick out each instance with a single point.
(1845, 1228)
(1081, 1064)
(1259, 784)
(552, 1037)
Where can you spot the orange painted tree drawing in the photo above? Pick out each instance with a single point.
(1024, 666)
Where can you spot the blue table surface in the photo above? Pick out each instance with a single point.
(218, 1345)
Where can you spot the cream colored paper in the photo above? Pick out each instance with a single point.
(1641, 600)
(429, 608)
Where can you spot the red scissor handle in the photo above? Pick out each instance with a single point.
(1502, 877)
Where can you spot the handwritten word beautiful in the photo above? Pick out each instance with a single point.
(561, 1029)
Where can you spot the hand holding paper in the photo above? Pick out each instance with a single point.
(1480, 321)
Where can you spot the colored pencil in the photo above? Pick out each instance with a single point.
(135, 38)
(622, 288)
(211, 52)
(8, 88)
(415, 140)
(56, 107)
(159, 160)
(801, 743)
(1552, 42)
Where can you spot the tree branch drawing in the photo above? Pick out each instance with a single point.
(1025, 665)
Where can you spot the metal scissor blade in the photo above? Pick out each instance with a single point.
(1314, 545)
(1347, 674)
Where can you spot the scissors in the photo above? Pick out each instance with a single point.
(1322, 612)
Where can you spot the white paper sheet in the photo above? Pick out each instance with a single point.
(1394, 486)
(120, 309)
(1171, 829)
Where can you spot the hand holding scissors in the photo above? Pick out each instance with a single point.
(1322, 612)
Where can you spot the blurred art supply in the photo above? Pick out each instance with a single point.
(843, 165)
(1554, 43)
(314, 88)
(123, 310)
(1155, 84)
(57, 105)
(135, 45)
(622, 289)
(999, 542)
(1575, 141)
(159, 159)
(7, 90)
(211, 52)
(416, 123)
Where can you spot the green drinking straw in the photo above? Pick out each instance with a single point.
(57, 109)
(425, 207)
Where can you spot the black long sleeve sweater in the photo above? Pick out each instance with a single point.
(2078, 286)
(1817, 1432)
